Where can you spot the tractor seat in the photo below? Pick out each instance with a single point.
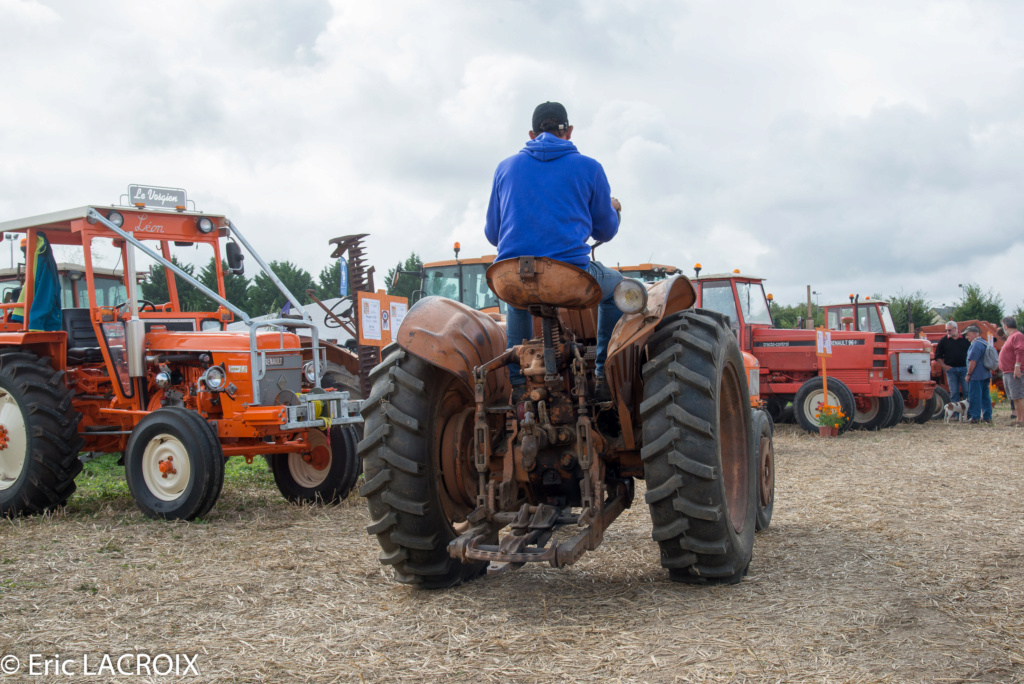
(83, 347)
(526, 281)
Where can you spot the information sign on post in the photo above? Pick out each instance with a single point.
(824, 351)
(380, 316)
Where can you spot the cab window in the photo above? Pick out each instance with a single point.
(753, 303)
(717, 296)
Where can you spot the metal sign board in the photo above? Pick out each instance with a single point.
(379, 317)
(157, 197)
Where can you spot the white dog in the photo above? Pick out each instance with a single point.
(957, 407)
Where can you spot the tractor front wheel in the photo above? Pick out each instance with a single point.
(872, 413)
(763, 430)
(420, 482)
(699, 450)
(941, 398)
(39, 439)
(897, 410)
(326, 474)
(918, 411)
(174, 465)
(812, 393)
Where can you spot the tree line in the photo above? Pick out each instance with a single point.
(256, 296)
(975, 304)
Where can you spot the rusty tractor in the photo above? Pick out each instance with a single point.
(172, 390)
(460, 480)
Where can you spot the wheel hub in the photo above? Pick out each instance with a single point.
(767, 472)
(13, 441)
(319, 458)
(166, 467)
(310, 470)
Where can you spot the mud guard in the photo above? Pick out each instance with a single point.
(625, 348)
(455, 338)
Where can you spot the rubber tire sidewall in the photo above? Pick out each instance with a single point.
(837, 387)
(206, 460)
(341, 476)
(762, 428)
(942, 398)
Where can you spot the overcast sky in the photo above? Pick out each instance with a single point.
(860, 146)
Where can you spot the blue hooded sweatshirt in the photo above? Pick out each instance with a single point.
(547, 200)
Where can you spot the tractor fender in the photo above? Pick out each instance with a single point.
(335, 354)
(663, 298)
(455, 338)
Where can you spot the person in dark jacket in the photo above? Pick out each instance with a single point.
(951, 353)
(547, 201)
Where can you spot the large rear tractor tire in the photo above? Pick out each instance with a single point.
(920, 412)
(812, 393)
(871, 413)
(420, 483)
(39, 439)
(763, 430)
(897, 410)
(699, 451)
(941, 398)
(174, 465)
(326, 475)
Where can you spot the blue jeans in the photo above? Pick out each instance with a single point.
(981, 400)
(957, 379)
(519, 323)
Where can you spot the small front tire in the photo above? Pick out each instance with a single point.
(765, 469)
(329, 474)
(174, 465)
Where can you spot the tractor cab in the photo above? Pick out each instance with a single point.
(648, 273)
(868, 316)
(463, 280)
(740, 297)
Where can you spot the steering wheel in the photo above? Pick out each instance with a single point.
(143, 302)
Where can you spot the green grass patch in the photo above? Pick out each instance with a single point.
(101, 483)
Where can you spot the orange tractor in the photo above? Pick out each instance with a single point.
(459, 480)
(170, 389)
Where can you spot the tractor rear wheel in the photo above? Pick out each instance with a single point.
(699, 449)
(39, 439)
(763, 430)
(872, 413)
(174, 465)
(897, 410)
(812, 393)
(918, 411)
(941, 398)
(326, 475)
(420, 483)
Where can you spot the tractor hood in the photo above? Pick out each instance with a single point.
(219, 341)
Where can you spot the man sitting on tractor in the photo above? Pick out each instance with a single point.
(547, 201)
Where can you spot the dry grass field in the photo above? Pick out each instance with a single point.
(893, 556)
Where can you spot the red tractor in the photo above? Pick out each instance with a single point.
(908, 365)
(790, 371)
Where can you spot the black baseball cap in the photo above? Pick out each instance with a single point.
(550, 111)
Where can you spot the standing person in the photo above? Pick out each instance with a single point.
(548, 200)
(951, 353)
(1011, 360)
(978, 377)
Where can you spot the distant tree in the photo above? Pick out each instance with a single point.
(266, 298)
(919, 306)
(329, 285)
(1018, 314)
(786, 316)
(236, 287)
(407, 283)
(983, 306)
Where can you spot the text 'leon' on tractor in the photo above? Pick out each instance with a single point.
(87, 366)
(464, 475)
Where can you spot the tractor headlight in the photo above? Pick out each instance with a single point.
(754, 383)
(309, 370)
(630, 296)
(162, 379)
(205, 225)
(214, 378)
(210, 324)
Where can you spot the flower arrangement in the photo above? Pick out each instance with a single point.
(830, 416)
(995, 393)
